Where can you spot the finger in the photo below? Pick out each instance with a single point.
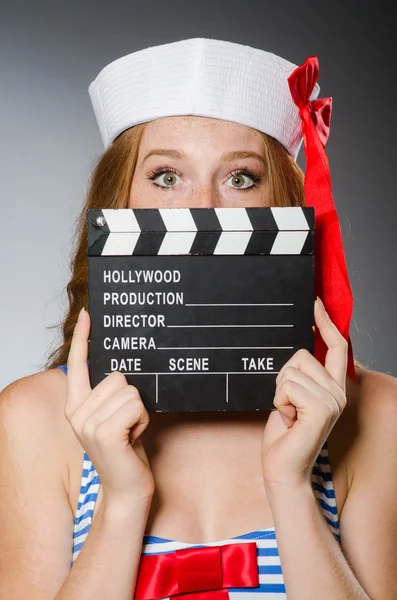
(78, 380)
(305, 362)
(129, 416)
(336, 358)
(110, 384)
(312, 386)
(100, 395)
(94, 414)
(287, 403)
(288, 412)
(305, 402)
(140, 425)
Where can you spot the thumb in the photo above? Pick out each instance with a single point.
(140, 450)
(275, 428)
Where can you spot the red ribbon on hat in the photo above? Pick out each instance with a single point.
(331, 277)
(205, 571)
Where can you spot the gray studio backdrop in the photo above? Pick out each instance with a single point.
(50, 52)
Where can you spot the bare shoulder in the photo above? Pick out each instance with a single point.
(365, 435)
(375, 418)
(38, 386)
(36, 516)
(371, 408)
(372, 382)
(40, 396)
(32, 413)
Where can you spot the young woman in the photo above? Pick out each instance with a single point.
(90, 485)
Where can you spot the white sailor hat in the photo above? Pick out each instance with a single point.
(199, 76)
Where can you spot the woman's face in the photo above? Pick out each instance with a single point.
(199, 169)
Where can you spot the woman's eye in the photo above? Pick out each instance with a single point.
(166, 177)
(238, 181)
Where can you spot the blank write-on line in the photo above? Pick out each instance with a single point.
(229, 325)
(224, 348)
(241, 304)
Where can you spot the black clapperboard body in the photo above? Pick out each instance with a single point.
(200, 308)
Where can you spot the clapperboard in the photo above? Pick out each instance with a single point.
(200, 308)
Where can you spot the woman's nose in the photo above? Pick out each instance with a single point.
(205, 196)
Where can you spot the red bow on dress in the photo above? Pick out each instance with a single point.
(207, 571)
(331, 277)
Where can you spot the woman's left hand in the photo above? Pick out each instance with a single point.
(309, 399)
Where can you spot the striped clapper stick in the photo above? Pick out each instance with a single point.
(200, 307)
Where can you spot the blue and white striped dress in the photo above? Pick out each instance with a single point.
(270, 573)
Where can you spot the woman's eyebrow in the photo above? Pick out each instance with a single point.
(226, 156)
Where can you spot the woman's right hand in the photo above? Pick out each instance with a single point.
(108, 421)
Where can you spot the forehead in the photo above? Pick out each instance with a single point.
(192, 129)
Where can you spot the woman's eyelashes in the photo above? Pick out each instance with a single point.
(237, 175)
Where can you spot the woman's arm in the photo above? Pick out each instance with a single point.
(36, 520)
(313, 563)
(107, 566)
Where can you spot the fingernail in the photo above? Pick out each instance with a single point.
(320, 303)
(81, 314)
